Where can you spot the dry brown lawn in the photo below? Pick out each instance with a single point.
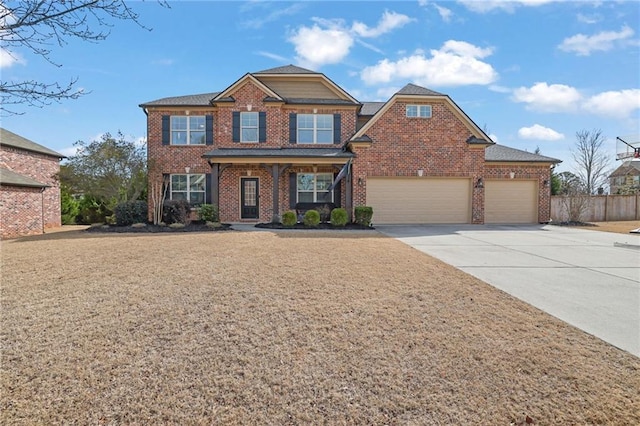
(285, 328)
(621, 227)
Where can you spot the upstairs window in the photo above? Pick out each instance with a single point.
(188, 130)
(312, 187)
(419, 111)
(249, 127)
(315, 128)
(190, 187)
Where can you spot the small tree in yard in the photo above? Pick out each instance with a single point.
(591, 161)
(575, 199)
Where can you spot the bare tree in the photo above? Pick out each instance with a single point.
(36, 25)
(591, 161)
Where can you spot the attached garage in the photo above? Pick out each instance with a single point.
(511, 201)
(419, 200)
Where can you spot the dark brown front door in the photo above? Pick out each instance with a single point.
(249, 198)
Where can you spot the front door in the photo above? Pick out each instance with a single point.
(249, 198)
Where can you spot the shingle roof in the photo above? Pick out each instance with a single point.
(11, 178)
(370, 108)
(412, 89)
(279, 152)
(202, 99)
(11, 139)
(286, 69)
(633, 168)
(319, 101)
(500, 153)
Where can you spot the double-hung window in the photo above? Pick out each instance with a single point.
(190, 187)
(249, 127)
(188, 130)
(419, 111)
(315, 128)
(312, 187)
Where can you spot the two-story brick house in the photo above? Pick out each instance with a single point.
(278, 137)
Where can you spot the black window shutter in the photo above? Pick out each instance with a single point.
(236, 126)
(209, 129)
(336, 128)
(337, 191)
(293, 190)
(166, 130)
(293, 128)
(207, 188)
(262, 126)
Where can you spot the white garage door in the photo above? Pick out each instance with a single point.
(511, 201)
(419, 200)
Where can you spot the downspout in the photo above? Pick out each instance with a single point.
(42, 207)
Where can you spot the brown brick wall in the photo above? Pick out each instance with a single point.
(21, 211)
(401, 146)
(42, 168)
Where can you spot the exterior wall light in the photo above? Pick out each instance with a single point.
(479, 183)
(512, 175)
(546, 183)
(187, 170)
(420, 172)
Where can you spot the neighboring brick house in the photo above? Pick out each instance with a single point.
(29, 187)
(417, 158)
(626, 178)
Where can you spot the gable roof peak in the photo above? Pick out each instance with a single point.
(414, 89)
(287, 69)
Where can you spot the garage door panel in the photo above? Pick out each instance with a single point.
(419, 200)
(511, 201)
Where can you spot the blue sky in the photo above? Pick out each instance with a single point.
(532, 72)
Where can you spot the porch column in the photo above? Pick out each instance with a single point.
(348, 194)
(275, 175)
(215, 184)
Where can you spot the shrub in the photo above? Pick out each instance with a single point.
(363, 215)
(311, 218)
(176, 211)
(131, 212)
(209, 213)
(289, 218)
(339, 217)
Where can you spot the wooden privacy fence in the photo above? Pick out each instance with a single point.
(599, 208)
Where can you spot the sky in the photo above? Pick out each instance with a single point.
(531, 73)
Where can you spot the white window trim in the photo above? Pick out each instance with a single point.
(314, 129)
(257, 128)
(419, 110)
(315, 191)
(188, 191)
(187, 130)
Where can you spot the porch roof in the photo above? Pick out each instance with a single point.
(251, 155)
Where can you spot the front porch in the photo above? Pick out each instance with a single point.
(254, 185)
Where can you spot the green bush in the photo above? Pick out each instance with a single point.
(339, 217)
(209, 213)
(176, 211)
(311, 218)
(92, 210)
(70, 208)
(289, 219)
(131, 212)
(363, 215)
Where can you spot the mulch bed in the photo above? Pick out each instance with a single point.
(195, 226)
(347, 227)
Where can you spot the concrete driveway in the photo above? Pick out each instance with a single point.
(586, 278)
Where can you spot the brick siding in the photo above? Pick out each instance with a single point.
(18, 210)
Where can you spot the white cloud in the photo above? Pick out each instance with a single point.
(8, 59)
(388, 22)
(505, 5)
(494, 137)
(329, 41)
(584, 45)
(269, 16)
(273, 56)
(456, 63)
(445, 13)
(316, 46)
(539, 132)
(548, 98)
(586, 19)
(618, 104)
